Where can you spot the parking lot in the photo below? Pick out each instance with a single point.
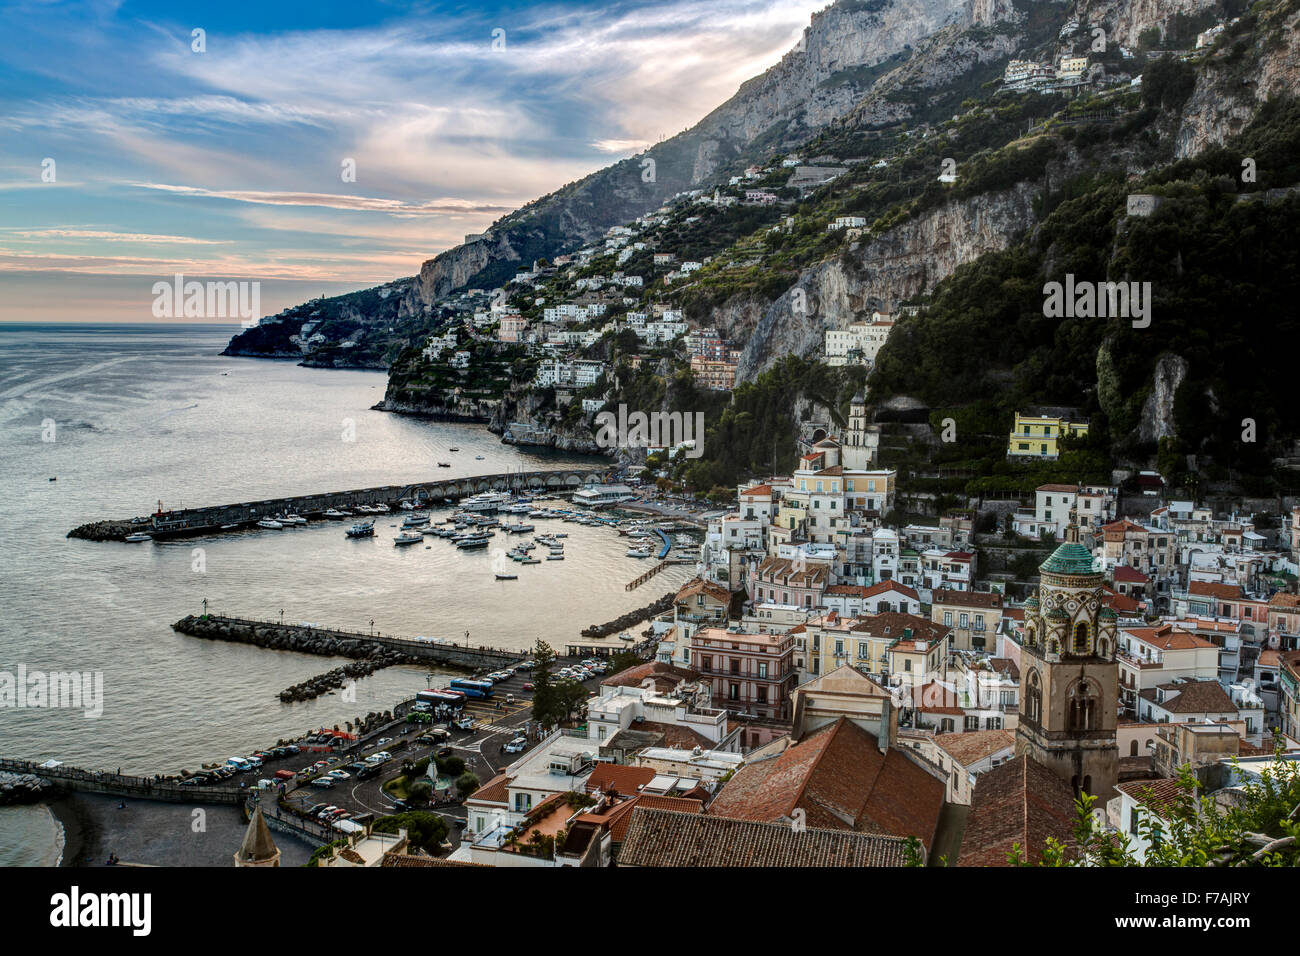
(496, 721)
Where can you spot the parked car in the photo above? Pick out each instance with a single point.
(383, 740)
(518, 745)
(372, 770)
(323, 782)
(445, 752)
(316, 808)
(339, 775)
(328, 808)
(529, 686)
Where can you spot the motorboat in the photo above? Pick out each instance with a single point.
(138, 536)
(478, 457)
(334, 513)
(408, 537)
(472, 544)
(362, 529)
(625, 636)
(294, 519)
(269, 523)
(638, 552)
(507, 577)
(453, 448)
(444, 464)
(406, 506)
(517, 528)
(530, 561)
(414, 520)
(555, 557)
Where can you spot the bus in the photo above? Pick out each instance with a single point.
(450, 698)
(472, 688)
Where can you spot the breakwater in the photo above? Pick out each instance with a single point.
(332, 680)
(332, 642)
(214, 519)
(624, 621)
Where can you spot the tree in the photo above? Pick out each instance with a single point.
(544, 693)
(570, 697)
(419, 792)
(1263, 829)
(423, 829)
(467, 783)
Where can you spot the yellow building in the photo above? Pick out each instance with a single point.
(1038, 431)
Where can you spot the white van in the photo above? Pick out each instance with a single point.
(239, 764)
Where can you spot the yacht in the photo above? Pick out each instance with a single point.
(294, 519)
(414, 520)
(269, 523)
(334, 513)
(138, 536)
(517, 528)
(487, 501)
(362, 529)
(408, 537)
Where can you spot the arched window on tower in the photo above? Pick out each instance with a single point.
(1034, 698)
(1029, 636)
(1082, 707)
(1081, 638)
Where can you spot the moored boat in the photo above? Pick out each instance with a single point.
(269, 523)
(407, 537)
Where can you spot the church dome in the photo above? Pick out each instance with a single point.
(1056, 614)
(1069, 558)
(1108, 614)
(1031, 602)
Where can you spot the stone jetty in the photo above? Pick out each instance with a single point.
(22, 788)
(624, 621)
(332, 680)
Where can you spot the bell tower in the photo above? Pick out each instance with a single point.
(1069, 680)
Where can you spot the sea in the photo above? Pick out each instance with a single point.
(112, 421)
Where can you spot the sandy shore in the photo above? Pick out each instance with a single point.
(151, 833)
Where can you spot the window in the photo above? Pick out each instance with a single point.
(762, 695)
(762, 669)
(733, 691)
(735, 666)
(972, 722)
(1034, 698)
(523, 802)
(947, 618)
(1082, 708)
(979, 622)
(965, 620)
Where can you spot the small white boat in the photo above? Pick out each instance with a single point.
(406, 506)
(334, 513)
(414, 520)
(625, 636)
(407, 537)
(294, 519)
(637, 553)
(138, 537)
(269, 523)
(478, 457)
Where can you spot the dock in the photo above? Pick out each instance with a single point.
(124, 785)
(243, 516)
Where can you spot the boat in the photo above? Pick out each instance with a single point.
(294, 519)
(406, 506)
(625, 636)
(507, 577)
(555, 557)
(362, 529)
(334, 513)
(381, 508)
(530, 561)
(269, 523)
(444, 464)
(138, 536)
(453, 448)
(517, 528)
(227, 527)
(638, 553)
(414, 520)
(407, 537)
(478, 457)
(472, 543)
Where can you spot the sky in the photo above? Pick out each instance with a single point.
(133, 148)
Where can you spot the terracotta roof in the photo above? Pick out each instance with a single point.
(401, 859)
(1192, 697)
(701, 586)
(840, 779)
(894, 624)
(622, 779)
(1124, 573)
(1005, 665)
(1162, 797)
(834, 471)
(1119, 602)
(935, 698)
(782, 572)
(984, 599)
(666, 838)
(757, 490)
(1019, 802)
(619, 817)
(676, 735)
(633, 676)
(1167, 637)
(972, 747)
(882, 587)
(1283, 599)
(494, 791)
(1071, 489)
(1224, 592)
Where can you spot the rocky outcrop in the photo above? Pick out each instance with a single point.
(624, 621)
(332, 680)
(1158, 410)
(1224, 101)
(18, 788)
(1124, 20)
(909, 259)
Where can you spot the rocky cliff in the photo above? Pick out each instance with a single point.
(908, 259)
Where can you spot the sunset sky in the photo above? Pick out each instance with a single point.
(227, 163)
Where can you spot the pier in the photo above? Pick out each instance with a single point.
(334, 642)
(122, 785)
(214, 519)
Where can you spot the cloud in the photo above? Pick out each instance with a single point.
(431, 207)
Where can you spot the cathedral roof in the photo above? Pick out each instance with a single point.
(1069, 558)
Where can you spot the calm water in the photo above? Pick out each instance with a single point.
(153, 412)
